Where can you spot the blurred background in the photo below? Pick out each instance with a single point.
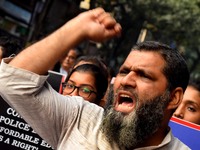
(174, 22)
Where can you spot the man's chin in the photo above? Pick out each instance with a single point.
(119, 127)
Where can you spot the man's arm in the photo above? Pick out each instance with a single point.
(96, 25)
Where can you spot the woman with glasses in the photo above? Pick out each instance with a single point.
(87, 80)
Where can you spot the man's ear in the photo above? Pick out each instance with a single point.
(176, 98)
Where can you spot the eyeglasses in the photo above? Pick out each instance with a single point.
(83, 91)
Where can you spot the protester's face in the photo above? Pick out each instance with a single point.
(141, 73)
(82, 79)
(189, 109)
(69, 60)
(136, 105)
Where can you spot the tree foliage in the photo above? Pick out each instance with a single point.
(174, 22)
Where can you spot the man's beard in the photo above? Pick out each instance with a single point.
(131, 130)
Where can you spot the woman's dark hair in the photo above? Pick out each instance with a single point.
(92, 60)
(95, 60)
(101, 78)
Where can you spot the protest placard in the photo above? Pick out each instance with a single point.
(187, 132)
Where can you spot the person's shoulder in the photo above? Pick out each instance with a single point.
(88, 112)
(177, 144)
(88, 106)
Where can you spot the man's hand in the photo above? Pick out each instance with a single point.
(96, 25)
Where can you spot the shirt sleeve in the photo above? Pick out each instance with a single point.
(48, 112)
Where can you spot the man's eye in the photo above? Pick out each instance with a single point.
(123, 72)
(143, 75)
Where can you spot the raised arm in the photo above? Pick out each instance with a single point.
(96, 25)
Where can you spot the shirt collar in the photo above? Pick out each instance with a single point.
(166, 140)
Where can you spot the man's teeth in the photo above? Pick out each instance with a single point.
(125, 96)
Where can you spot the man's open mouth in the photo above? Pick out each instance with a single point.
(125, 102)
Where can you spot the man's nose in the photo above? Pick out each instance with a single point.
(67, 57)
(129, 80)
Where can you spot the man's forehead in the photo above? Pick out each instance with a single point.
(143, 56)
